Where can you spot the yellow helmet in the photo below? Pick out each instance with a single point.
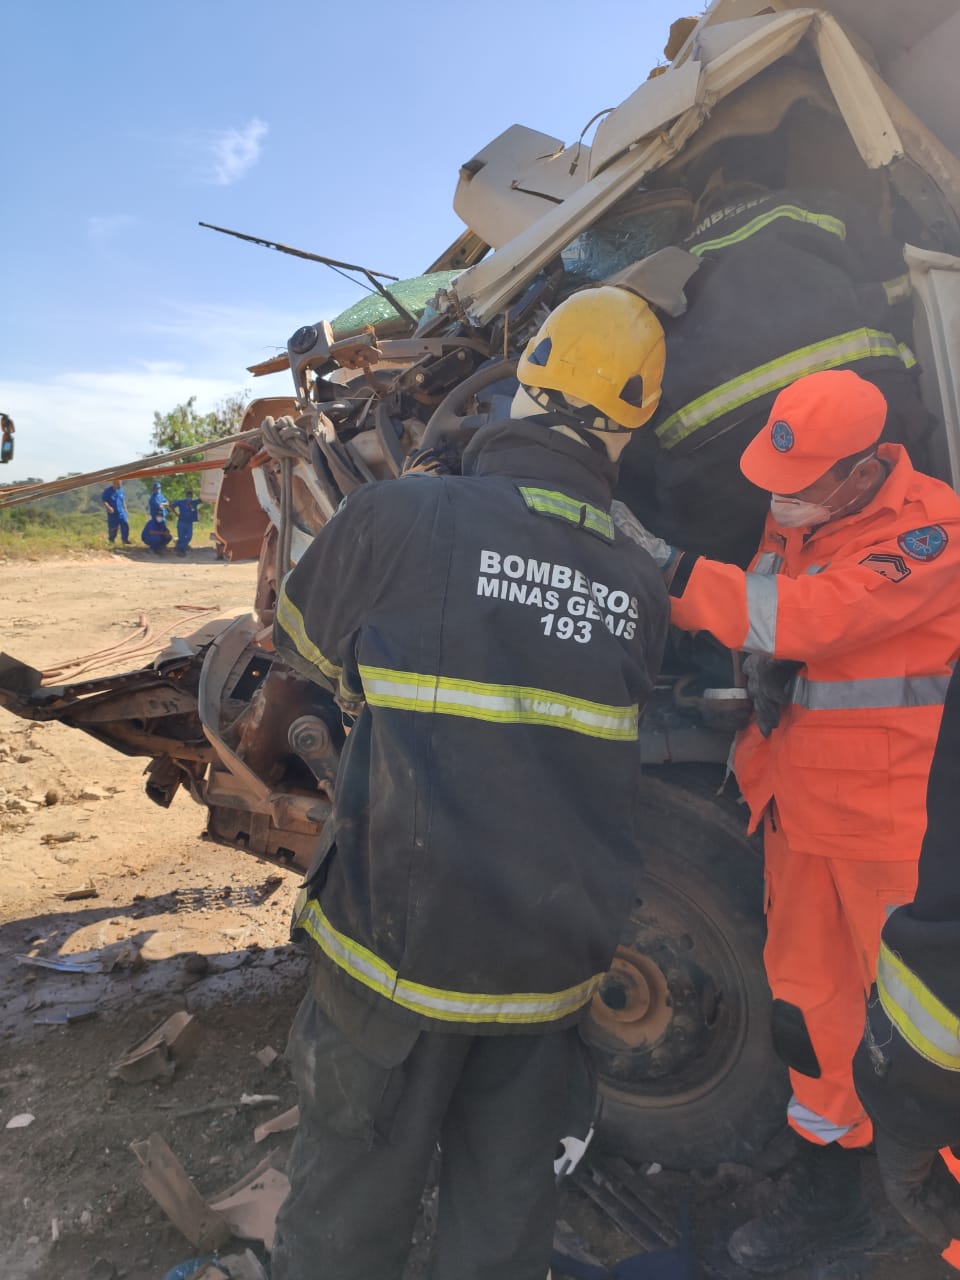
(601, 348)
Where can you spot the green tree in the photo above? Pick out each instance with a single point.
(184, 426)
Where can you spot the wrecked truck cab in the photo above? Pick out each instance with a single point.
(853, 96)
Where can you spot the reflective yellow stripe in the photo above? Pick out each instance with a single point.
(582, 514)
(500, 703)
(291, 620)
(822, 220)
(433, 1002)
(927, 1025)
(858, 344)
(897, 289)
(907, 356)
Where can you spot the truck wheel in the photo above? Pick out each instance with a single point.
(680, 1027)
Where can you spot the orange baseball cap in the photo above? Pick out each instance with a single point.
(814, 423)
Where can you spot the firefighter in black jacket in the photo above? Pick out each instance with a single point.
(497, 637)
(790, 282)
(907, 1069)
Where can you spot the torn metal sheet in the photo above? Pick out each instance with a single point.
(65, 1017)
(61, 966)
(158, 1053)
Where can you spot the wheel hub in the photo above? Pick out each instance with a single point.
(633, 1002)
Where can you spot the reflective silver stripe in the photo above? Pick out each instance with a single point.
(768, 563)
(501, 703)
(434, 1002)
(928, 1026)
(884, 691)
(816, 1126)
(817, 568)
(762, 594)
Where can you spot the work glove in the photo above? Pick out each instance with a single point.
(921, 1188)
(660, 552)
(768, 680)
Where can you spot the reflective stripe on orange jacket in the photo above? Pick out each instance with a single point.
(871, 605)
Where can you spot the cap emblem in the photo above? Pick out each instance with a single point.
(781, 436)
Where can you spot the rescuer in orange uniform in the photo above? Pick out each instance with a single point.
(850, 613)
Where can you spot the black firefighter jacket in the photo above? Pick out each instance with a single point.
(789, 283)
(907, 1070)
(504, 638)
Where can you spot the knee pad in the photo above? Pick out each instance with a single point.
(791, 1039)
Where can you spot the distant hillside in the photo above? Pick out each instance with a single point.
(84, 501)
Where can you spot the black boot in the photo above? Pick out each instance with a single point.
(820, 1209)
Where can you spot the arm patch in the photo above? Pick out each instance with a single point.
(893, 568)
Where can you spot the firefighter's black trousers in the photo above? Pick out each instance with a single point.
(498, 1105)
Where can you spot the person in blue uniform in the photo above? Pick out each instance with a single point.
(188, 513)
(115, 504)
(155, 534)
(158, 503)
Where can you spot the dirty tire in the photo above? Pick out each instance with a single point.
(698, 905)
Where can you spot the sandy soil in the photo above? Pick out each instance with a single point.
(178, 923)
(165, 897)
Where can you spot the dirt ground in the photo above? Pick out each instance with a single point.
(177, 923)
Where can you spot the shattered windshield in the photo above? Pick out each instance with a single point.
(636, 228)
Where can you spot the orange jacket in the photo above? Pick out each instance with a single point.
(871, 605)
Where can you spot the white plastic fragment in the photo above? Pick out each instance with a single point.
(21, 1121)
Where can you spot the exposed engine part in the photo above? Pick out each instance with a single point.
(310, 738)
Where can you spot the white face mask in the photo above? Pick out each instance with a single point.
(794, 513)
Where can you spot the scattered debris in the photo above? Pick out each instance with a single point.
(164, 1177)
(61, 966)
(21, 1121)
(129, 956)
(65, 1017)
(251, 1210)
(92, 793)
(51, 797)
(653, 1169)
(267, 1056)
(54, 1229)
(197, 964)
(63, 837)
(278, 1124)
(158, 1053)
(243, 1266)
(227, 1104)
(233, 1266)
(82, 891)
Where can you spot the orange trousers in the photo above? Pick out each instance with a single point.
(824, 917)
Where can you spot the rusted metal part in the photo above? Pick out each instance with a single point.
(633, 1002)
(619, 1192)
(311, 739)
(240, 522)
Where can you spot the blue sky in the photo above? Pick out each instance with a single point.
(336, 128)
